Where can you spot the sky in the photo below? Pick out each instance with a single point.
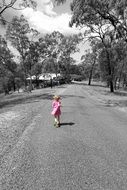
(48, 18)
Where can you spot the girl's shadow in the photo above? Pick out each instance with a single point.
(70, 123)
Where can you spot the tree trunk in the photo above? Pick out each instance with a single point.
(110, 73)
(91, 72)
(30, 86)
(25, 71)
(120, 75)
(111, 86)
(37, 82)
(115, 83)
(124, 81)
(90, 78)
(14, 88)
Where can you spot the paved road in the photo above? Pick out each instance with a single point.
(88, 152)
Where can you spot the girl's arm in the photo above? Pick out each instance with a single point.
(53, 104)
(59, 104)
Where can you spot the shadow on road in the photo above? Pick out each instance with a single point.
(70, 123)
(24, 100)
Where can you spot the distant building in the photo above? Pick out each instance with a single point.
(44, 76)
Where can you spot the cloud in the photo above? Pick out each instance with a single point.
(46, 20)
(46, 6)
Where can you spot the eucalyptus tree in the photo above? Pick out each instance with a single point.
(106, 18)
(34, 64)
(91, 11)
(120, 57)
(114, 53)
(89, 60)
(33, 56)
(54, 43)
(49, 51)
(103, 33)
(17, 32)
(68, 47)
(7, 66)
(96, 28)
(5, 5)
(56, 49)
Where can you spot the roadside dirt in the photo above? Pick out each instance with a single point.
(100, 93)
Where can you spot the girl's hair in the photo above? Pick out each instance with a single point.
(56, 97)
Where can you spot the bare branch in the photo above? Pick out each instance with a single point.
(17, 9)
(5, 6)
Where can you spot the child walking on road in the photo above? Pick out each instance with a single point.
(56, 111)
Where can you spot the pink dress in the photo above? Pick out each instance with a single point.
(56, 108)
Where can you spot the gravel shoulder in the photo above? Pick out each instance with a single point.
(100, 93)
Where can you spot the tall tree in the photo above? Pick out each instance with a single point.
(56, 39)
(58, 48)
(32, 55)
(7, 67)
(17, 33)
(68, 46)
(90, 59)
(97, 15)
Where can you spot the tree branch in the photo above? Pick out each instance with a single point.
(7, 6)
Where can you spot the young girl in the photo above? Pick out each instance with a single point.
(56, 112)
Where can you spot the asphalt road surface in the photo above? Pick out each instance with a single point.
(88, 151)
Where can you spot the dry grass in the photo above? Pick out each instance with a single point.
(101, 93)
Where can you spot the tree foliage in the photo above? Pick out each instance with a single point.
(58, 48)
(17, 33)
(89, 12)
(8, 67)
(13, 4)
(90, 62)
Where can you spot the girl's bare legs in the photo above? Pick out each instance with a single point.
(58, 119)
(55, 119)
